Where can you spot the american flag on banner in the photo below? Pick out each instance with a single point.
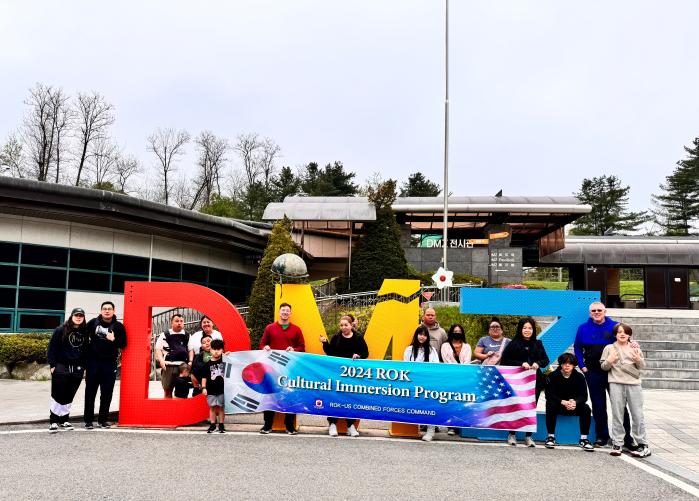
(506, 399)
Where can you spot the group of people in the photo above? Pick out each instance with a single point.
(80, 349)
(608, 361)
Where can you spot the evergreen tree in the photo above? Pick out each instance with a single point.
(285, 184)
(678, 206)
(379, 254)
(332, 181)
(609, 201)
(261, 301)
(419, 186)
(223, 207)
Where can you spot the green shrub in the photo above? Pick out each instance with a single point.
(16, 348)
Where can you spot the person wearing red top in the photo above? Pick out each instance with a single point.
(282, 335)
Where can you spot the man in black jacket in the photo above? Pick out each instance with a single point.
(107, 336)
(566, 394)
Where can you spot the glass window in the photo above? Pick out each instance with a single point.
(83, 280)
(131, 264)
(44, 256)
(7, 297)
(41, 299)
(118, 281)
(43, 321)
(88, 260)
(194, 273)
(8, 274)
(166, 269)
(217, 276)
(9, 252)
(42, 277)
(6, 321)
(694, 285)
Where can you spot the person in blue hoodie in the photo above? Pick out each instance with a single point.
(590, 340)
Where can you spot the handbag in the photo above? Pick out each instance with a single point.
(494, 359)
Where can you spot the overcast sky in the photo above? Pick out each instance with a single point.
(543, 93)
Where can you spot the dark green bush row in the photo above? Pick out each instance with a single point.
(16, 348)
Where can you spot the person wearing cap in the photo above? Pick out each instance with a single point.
(66, 357)
(107, 337)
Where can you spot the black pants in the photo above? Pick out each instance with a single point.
(554, 410)
(350, 422)
(65, 382)
(597, 383)
(288, 420)
(100, 374)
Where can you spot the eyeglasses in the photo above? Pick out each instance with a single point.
(596, 311)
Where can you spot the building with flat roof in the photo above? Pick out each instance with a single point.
(498, 238)
(65, 246)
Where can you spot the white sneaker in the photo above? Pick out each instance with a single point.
(429, 434)
(511, 439)
(529, 442)
(352, 431)
(332, 430)
(53, 428)
(66, 426)
(452, 431)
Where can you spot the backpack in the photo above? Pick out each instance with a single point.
(176, 350)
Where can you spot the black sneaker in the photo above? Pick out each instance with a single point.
(89, 426)
(53, 428)
(616, 451)
(600, 442)
(291, 432)
(265, 431)
(105, 425)
(585, 445)
(221, 428)
(66, 426)
(550, 442)
(630, 448)
(212, 428)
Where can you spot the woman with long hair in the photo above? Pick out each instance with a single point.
(529, 353)
(66, 356)
(421, 351)
(347, 343)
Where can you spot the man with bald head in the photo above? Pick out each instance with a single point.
(590, 340)
(438, 336)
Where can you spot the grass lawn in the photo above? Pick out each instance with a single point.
(627, 286)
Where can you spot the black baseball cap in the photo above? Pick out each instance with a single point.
(77, 311)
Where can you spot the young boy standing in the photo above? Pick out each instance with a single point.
(183, 383)
(212, 386)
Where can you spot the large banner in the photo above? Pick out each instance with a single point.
(468, 396)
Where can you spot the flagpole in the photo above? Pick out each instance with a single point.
(445, 241)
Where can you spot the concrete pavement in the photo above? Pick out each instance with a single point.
(671, 423)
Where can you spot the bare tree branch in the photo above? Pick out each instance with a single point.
(167, 144)
(39, 130)
(103, 158)
(12, 157)
(212, 158)
(95, 115)
(125, 168)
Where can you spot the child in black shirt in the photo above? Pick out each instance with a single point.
(212, 386)
(183, 383)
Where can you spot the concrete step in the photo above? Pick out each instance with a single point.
(668, 335)
(669, 354)
(652, 344)
(670, 384)
(633, 321)
(668, 373)
(671, 363)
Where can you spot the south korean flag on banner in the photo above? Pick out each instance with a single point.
(251, 380)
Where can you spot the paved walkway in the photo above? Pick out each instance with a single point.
(671, 420)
